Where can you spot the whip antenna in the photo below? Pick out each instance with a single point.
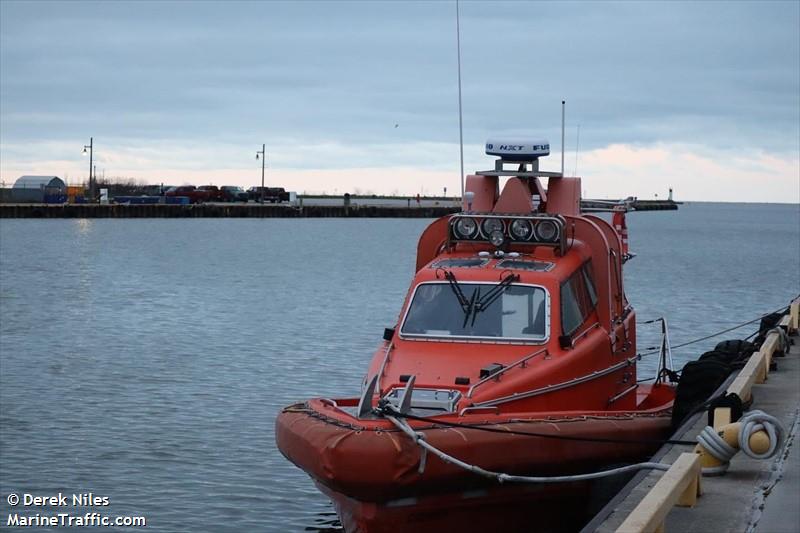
(460, 121)
(563, 105)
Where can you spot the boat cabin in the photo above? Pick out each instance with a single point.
(519, 275)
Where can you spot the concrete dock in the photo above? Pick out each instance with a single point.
(759, 496)
(220, 210)
(311, 207)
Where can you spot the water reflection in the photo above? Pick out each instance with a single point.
(325, 522)
(84, 225)
(188, 337)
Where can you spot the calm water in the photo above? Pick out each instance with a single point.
(145, 360)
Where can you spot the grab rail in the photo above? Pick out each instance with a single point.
(383, 365)
(478, 408)
(497, 374)
(558, 386)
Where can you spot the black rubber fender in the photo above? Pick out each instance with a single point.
(699, 380)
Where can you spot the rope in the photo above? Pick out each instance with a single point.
(717, 447)
(541, 435)
(756, 421)
(419, 439)
(783, 339)
(712, 335)
(751, 423)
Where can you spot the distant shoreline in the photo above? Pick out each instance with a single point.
(308, 207)
(215, 210)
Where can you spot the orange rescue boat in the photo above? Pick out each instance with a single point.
(514, 353)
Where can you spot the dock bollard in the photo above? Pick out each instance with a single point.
(758, 434)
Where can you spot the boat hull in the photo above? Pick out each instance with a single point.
(509, 508)
(378, 477)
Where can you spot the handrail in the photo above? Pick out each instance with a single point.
(477, 408)
(558, 386)
(794, 314)
(503, 370)
(680, 485)
(585, 332)
(383, 365)
(623, 393)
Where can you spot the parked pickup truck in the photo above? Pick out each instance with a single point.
(272, 195)
(212, 193)
(190, 191)
(231, 193)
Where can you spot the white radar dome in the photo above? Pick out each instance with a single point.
(510, 149)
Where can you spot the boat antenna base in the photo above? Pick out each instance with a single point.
(521, 171)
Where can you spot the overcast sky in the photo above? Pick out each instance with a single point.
(362, 96)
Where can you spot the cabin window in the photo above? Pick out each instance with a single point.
(578, 299)
(588, 276)
(519, 312)
(466, 262)
(570, 309)
(520, 264)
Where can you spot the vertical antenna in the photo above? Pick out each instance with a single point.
(460, 121)
(577, 144)
(563, 104)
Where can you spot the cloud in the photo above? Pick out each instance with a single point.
(336, 78)
(695, 172)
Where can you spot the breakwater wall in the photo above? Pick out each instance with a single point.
(251, 210)
(256, 210)
(655, 205)
(638, 205)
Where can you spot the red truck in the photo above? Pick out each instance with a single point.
(195, 195)
(212, 192)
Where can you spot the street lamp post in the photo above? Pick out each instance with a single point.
(90, 146)
(263, 163)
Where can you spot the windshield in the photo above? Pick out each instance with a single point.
(518, 312)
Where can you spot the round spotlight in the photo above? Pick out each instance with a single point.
(521, 230)
(465, 228)
(496, 238)
(490, 225)
(546, 231)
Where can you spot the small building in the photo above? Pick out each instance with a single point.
(49, 189)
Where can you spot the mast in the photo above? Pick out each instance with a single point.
(460, 120)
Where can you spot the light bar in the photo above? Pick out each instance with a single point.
(532, 230)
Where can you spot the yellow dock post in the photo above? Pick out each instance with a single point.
(680, 485)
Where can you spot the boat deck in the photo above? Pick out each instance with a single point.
(754, 495)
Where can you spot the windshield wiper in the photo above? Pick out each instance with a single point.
(477, 303)
(490, 297)
(465, 304)
(476, 296)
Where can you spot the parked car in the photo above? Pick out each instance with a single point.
(231, 193)
(271, 194)
(212, 193)
(190, 191)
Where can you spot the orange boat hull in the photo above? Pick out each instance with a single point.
(508, 508)
(373, 472)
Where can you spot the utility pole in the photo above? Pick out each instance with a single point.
(91, 165)
(263, 164)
